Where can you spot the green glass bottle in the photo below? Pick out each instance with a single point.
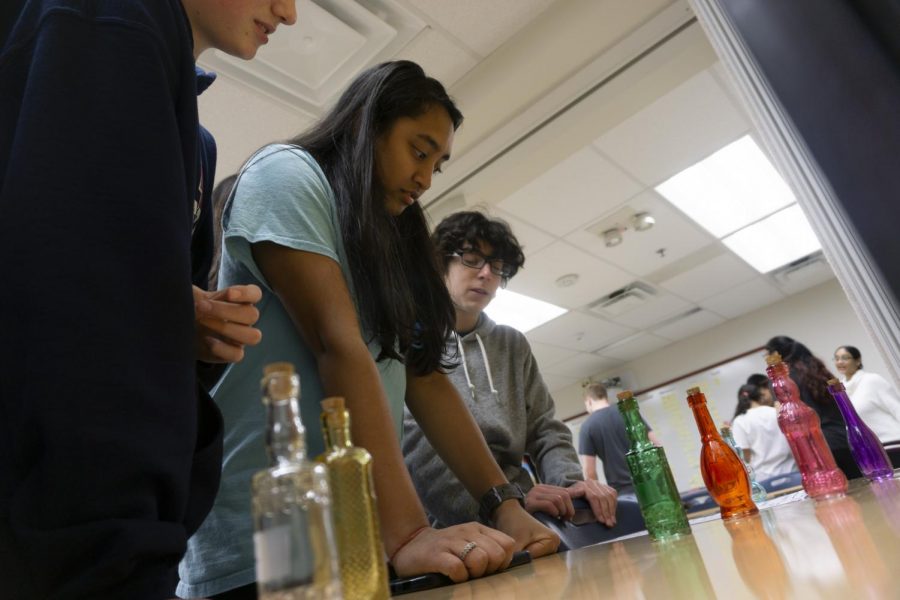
(653, 482)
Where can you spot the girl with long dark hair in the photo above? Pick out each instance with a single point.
(811, 376)
(329, 226)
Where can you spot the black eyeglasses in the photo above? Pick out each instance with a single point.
(475, 260)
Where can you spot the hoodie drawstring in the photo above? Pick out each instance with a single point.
(484, 357)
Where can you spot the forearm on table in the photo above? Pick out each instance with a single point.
(453, 432)
(352, 374)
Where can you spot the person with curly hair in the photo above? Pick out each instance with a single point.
(811, 376)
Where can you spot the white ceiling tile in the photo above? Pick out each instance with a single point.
(482, 26)
(243, 121)
(530, 238)
(596, 278)
(577, 190)
(547, 354)
(653, 311)
(578, 331)
(555, 383)
(689, 325)
(439, 56)
(674, 234)
(743, 298)
(679, 129)
(583, 365)
(634, 347)
(712, 277)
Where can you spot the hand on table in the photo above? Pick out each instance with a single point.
(459, 552)
(528, 533)
(224, 322)
(601, 497)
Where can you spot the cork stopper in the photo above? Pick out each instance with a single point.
(625, 395)
(278, 367)
(332, 404)
(693, 391)
(334, 414)
(773, 358)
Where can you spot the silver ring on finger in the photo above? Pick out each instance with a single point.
(466, 549)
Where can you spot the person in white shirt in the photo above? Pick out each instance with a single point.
(756, 432)
(873, 397)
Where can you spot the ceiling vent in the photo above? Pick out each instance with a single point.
(803, 273)
(305, 66)
(621, 301)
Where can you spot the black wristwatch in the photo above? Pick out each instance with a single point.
(495, 496)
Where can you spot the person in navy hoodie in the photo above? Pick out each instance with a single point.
(109, 450)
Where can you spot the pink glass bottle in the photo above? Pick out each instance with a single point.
(800, 425)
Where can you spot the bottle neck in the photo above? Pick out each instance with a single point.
(339, 435)
(843, 403)
(634, 425)
(285, 436)
(782, 385)
(702, 417)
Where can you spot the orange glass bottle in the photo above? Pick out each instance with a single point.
(723, 472)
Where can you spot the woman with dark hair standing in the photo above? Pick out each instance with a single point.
(874, 398)
(329, 227)
(756, 432)
(811, 376)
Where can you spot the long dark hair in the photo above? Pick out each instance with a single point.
(807, 370)
(747, 394)
(402, 299)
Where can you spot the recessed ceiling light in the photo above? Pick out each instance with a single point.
(642, 221)
(520, 311)
(729, 189)
(612, 237)
(775, 241)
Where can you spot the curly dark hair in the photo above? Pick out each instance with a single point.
(807, 370)
(471, 227)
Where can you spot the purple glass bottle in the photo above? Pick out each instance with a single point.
(867, 451)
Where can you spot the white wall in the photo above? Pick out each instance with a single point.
(820, 317)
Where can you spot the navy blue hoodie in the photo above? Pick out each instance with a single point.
(109, 452)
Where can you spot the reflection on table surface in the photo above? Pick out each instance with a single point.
(839, 548)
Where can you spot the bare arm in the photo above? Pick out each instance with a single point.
(441, 413)
(588, 466)
(653, 439)
(313, 291)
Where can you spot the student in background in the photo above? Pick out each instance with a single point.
(499, 380)
(330, 228)
(756, 432)
(811, 377)
(603, 436)
(873, 397)
(109, 451)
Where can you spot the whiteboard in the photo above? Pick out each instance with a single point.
(666, 410)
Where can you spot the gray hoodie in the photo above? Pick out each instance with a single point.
(499, 381)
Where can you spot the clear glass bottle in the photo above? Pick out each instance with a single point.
(654, 485)
(362, 563)
(757, 490)
(800, 425)
(865, 447)
(296, 557)
(723, 472)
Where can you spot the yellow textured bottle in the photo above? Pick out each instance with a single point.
(362, 563)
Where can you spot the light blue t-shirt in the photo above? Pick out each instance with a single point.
(282, 197)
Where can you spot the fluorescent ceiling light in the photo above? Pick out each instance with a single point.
(521, 312)
(775, 241)
(729, 189)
